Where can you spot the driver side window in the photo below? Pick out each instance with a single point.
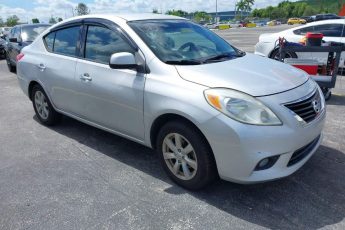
(102, 42)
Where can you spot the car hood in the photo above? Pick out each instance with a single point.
(250, 74)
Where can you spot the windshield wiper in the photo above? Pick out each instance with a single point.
(184, 62)
(220, 57)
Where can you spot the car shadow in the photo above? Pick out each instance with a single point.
(312, 198)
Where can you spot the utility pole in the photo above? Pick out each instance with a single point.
(217, 11)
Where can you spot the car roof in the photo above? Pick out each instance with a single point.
(32, 25)
(127, 17)
(340, 20)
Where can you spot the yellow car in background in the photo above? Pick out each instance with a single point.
(293, 21)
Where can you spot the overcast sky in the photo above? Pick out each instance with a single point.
(44, 9)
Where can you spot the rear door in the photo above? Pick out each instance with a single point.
(112, 98)
(56, 67)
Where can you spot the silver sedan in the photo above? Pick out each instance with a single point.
(209, 109)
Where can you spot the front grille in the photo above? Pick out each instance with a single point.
(301, 153)
(307, 109)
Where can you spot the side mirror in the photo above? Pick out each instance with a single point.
(123, 60)
(13, 39)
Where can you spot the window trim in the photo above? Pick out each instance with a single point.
(83, 47)
(81, 42)
(69, 25)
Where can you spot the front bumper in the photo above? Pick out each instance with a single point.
(238, 148)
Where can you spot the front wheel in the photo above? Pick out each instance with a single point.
(185, 155)
(44, 110)
(276, 55)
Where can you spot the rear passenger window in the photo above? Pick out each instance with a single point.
(330, 30)
(101, 43)
(66, 41)
(49, 40)
(304, 31)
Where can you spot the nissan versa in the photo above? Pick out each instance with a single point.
(208, 108)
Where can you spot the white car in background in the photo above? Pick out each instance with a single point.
(333, 30)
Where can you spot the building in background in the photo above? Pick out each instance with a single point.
(229, 15)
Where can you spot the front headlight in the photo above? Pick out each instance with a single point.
(241, 107)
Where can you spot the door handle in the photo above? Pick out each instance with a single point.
(85, 77)
(41, 66)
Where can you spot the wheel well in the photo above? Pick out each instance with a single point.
(275, 49)
(31, 86)
(163, 119)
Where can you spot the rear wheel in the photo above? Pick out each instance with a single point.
(185, 155)
(10, 66)
(44, 110)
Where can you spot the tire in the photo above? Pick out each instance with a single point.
(275, 53)
(44, 110)
(197, 160)
(11, 67)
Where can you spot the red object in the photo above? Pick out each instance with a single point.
(342, 11)
(19, 56)
(314, 35)
(308, 65)
(310, 69)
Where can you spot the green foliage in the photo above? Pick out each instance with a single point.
(12, 20)
(52, 20)
(288, 9)
(60, 19)
(244, 5)
(179, 13)
(35, 20)
(201, 16)
(1, 22)
(82, 9)
(155, 11)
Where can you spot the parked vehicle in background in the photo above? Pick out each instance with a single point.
(321, 17)
(307, 18)
(293, 21)
(333, 30)
(4, 31)
(2, 48)
(211, 25)
(19, 37)
(273, 23)
(236, 24)
(175, 86)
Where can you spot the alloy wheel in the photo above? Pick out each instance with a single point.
(41, 105)
(179, 156)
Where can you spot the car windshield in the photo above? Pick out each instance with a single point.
(29, 33)
(181, 42)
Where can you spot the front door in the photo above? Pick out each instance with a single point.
(109, 97)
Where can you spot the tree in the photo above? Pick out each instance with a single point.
(155, 11)
(241, 6)
(1, 22)
(309, 11)
(60, 19)
(82, 9)
(201, 16)
(12, 20)
(35, 20)
(179, 13)
(249, 4)
(52, 20)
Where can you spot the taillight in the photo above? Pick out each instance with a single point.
(19, 57)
